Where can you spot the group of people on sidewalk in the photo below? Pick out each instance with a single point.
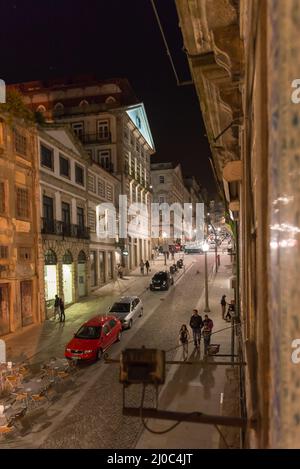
(143, 266)
(59, 309)
(200, 328)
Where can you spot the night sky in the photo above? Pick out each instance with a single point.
(42, 39)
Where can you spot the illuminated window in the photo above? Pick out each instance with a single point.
(92, 220)
(109, 192)
(91, 183)
(3, 252)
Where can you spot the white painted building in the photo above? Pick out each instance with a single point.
(113, 128)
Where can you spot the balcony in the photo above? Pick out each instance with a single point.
(59, 228)
(90, 138)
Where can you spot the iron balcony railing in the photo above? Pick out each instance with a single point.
(87, 138)
(59, 228)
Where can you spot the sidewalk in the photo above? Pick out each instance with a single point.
(199, 387)
(39, 342)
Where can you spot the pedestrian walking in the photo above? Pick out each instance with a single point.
(184, 337)
(142, 267)
(62, 310)
(147, 265)
(120, 271)
(196, 325)
(56, 307)
(223, 306)
(206, 332)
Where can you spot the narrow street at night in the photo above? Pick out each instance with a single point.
(89, 415)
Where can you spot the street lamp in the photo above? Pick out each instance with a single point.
(205, 248)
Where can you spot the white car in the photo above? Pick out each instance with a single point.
(127, 309)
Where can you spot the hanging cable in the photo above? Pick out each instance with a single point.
(167, 47)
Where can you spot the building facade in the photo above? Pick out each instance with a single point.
(76, 259)
(21, 260)
(244, 58)
(113, 128)
(168, 188)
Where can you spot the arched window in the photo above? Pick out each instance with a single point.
(81, 257)
(50, 257)
(41, 108)
(59, 107)
(84, 102)
(110, 99)
(67, 258)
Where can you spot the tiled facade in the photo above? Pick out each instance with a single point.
(21, 259)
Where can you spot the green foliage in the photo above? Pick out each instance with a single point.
(16, 107)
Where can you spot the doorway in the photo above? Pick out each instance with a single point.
(67, 266)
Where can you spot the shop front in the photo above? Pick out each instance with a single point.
(81, 271)
(67, 274)
(50, 277)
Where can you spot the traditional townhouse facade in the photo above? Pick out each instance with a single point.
(168, 188)
(198, 212)
(103, 188)
(114, 130)
(76, 259)
(21, 260)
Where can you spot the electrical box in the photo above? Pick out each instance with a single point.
(143, 365)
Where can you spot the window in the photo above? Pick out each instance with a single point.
(106, 329)
(92, 220)
(132, 139)
(161, 199)
(104, 159)
(41, 109)
(137, 146)
(109, 192)
(78, 128)
(101, 187)
(25, 254)
(126, 132)
(64, 166)
(83, 103)
(47, 157)
(59, 107)
(112, 323)
(3, 252)
(161, 179)
(66, 214)
(22, 207)
(80, 216)
(103, 129)
(91, 183)
(20, 143)
(2, 197)
(79, 175)
(1, 133)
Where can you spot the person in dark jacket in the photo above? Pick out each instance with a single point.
(147, 265)
(223, 306)
(196, 325)
(56, 307)
(62, 310)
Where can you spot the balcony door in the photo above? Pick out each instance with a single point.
(48, 215)
(103, 130)
(66, 217)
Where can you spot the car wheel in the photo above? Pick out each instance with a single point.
(99, 354)
(119, 336)
(130, 324)
(141, 313)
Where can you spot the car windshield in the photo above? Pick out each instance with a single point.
(120, 308)
(160, 276)
(88, 332)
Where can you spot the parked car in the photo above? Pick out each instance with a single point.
(127, 309)
(193, 249)
(93, 338)
(161, 281)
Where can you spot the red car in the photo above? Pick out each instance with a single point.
(93, 338)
